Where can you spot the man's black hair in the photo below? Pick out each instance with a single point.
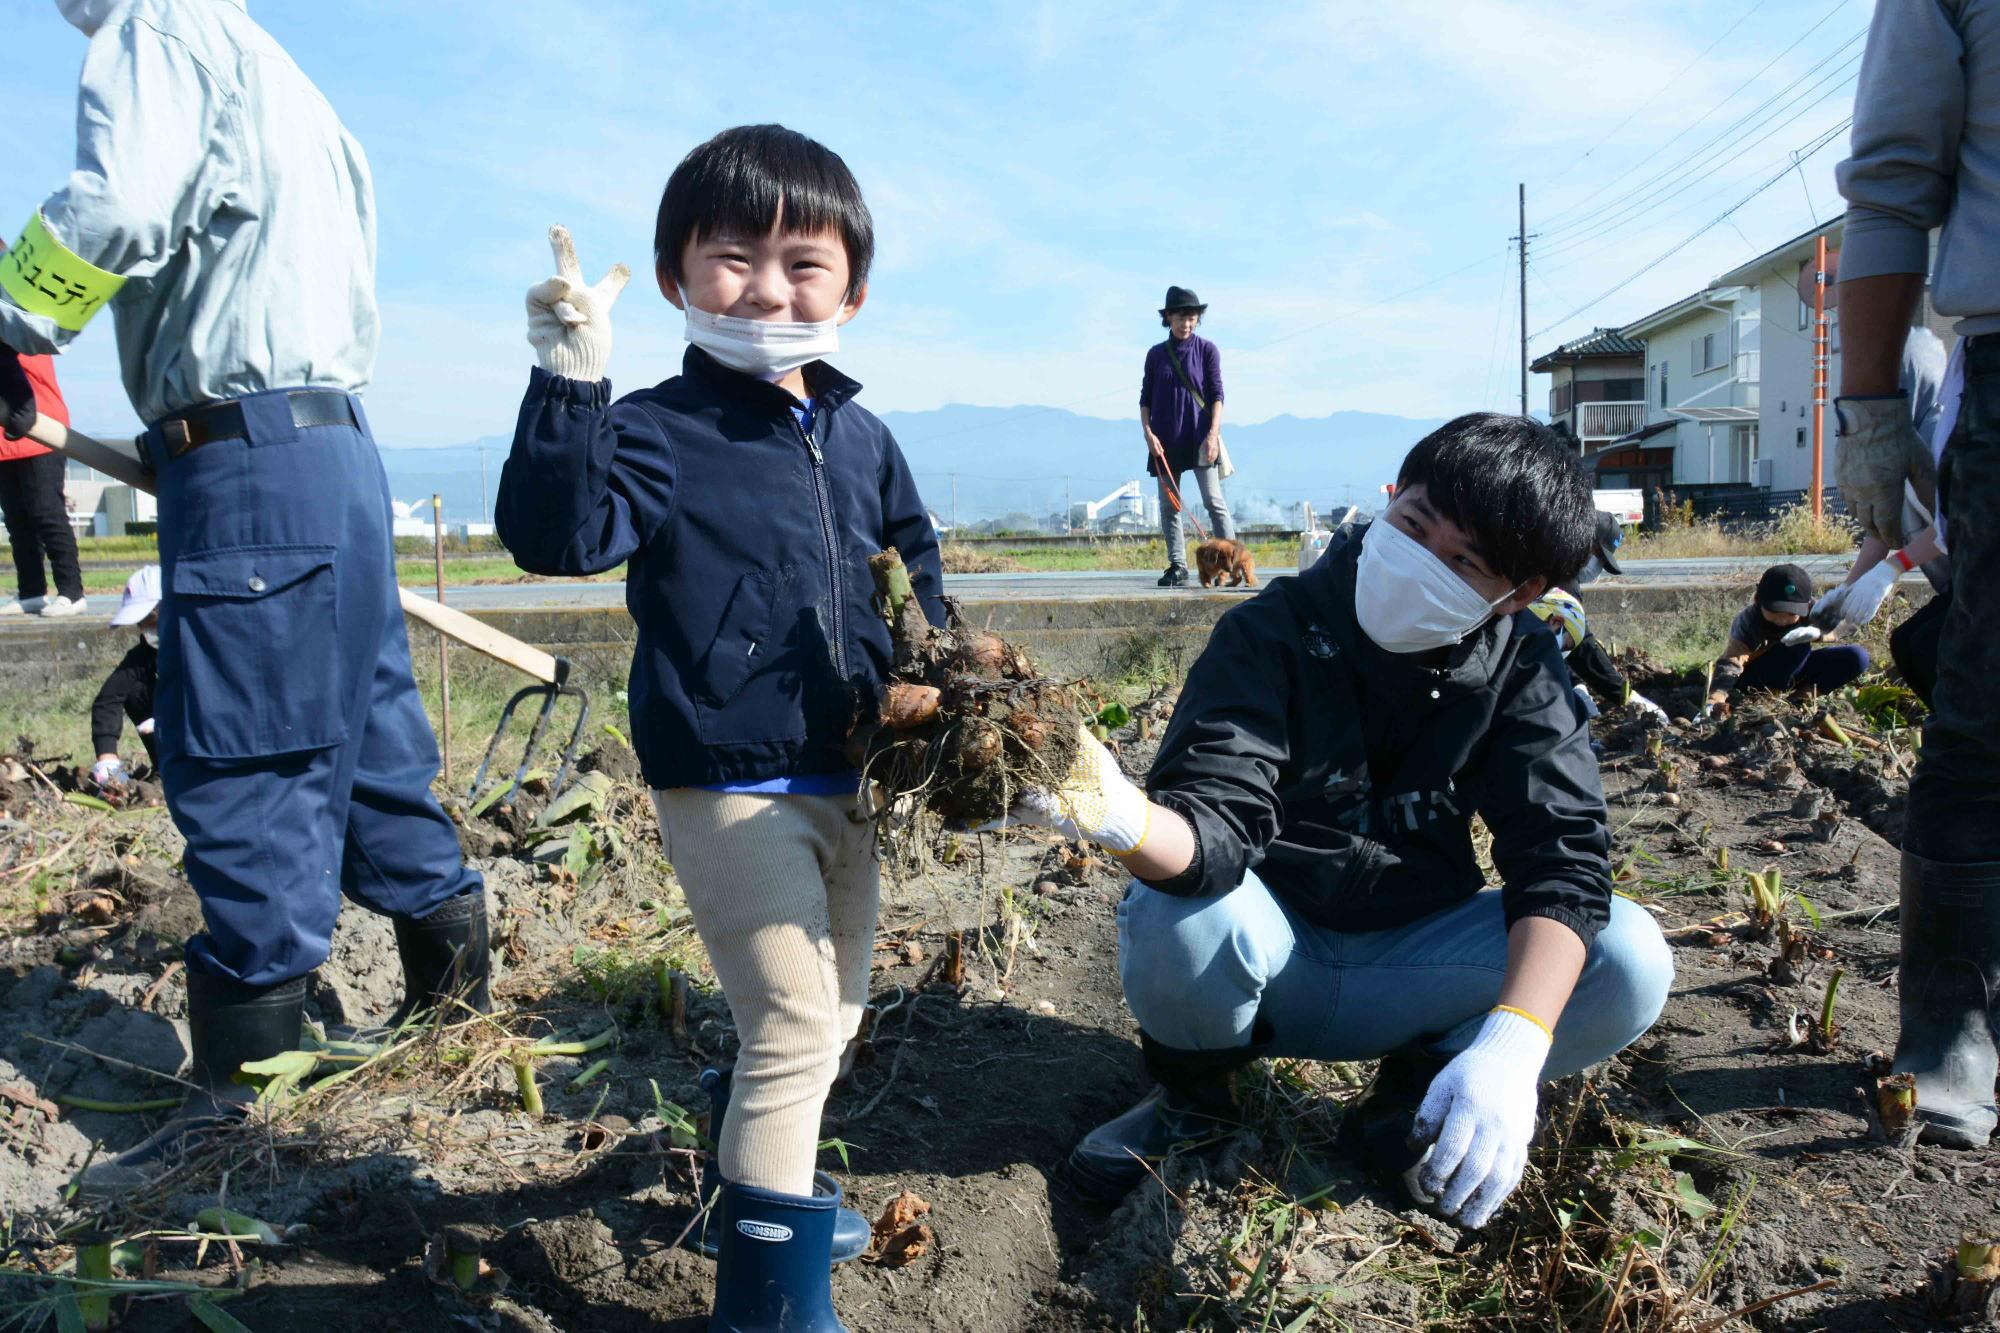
(738, 181)
(1515, 486)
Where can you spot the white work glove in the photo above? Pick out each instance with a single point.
(1478, 1118)
(1803, 634)
(1096, 802)
(569, 324)
(1716, 711)
(1645, 707)
(1878, 447)
(1861, 600)
(109, 773)
(1590, 708)
(145, 728)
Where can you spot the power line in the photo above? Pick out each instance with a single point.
(1556, 221)
(1822, 141)
(1608, 135)
(1704, 162)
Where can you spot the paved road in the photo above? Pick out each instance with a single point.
(1078, 586)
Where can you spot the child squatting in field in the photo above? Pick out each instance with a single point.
(747, 493)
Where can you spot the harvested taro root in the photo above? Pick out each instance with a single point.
(964, 723)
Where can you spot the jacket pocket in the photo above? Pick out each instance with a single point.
(752, 687)
(256, 629)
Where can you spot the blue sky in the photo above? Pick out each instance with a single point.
(1039, 172)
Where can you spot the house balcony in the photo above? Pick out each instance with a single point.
(1608, 421)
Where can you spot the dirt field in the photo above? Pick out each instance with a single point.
(1718, 1165)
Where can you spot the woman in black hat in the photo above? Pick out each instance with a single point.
(1180, 411)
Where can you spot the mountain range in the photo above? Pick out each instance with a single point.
(980, 463)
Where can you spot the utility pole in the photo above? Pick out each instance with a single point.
(1523, 239)
(484, 516)
(1819, 364)
(954, 502)
(1066, 505)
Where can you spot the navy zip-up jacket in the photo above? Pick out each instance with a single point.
(749, 540)
(1347, 777)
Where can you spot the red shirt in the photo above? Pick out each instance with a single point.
(48, 400)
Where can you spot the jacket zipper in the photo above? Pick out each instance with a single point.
(824, 499)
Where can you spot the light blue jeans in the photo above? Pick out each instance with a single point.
(1198, 971)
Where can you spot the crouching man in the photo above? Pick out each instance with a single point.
(1305, 881)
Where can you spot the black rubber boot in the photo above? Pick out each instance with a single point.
(229, 1025)
(1375, 1127)
(1194, 1100)
(446, 957)
(851, 1232)
(771, 1271)
(1950, 978)
(1175, 577)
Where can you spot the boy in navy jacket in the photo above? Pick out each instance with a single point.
(747, 493)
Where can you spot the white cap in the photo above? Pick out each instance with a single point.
(142, 597)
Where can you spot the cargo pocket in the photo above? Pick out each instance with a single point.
(257, 633)
(750, 685)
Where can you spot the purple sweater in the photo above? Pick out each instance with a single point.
(1167, 405)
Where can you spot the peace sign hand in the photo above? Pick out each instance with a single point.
(569, 324)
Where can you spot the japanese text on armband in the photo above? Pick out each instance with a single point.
(44, 278)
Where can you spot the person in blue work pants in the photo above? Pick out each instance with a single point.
(226, 217)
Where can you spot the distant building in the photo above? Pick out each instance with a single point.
(1597, 386)
(1133, 507)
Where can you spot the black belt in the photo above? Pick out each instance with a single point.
(185, 431)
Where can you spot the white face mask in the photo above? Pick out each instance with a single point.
(151, 636)
(86, 16)
(1407, 599)
(767, 348)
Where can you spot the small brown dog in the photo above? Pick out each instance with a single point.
(1221, 560)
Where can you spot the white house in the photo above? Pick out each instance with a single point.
(1703, 377)
(1784, 416)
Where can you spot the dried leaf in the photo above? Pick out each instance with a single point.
(900, 1238)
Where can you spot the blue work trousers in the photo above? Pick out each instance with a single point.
(294, 748)
(1802, 666)
(1199, 971)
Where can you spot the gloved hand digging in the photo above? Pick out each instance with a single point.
(1096, 802)
(17, 396)
(109, 772)
(569, 324)
(1479, 1117)
(1878, 445)
(1861, 600)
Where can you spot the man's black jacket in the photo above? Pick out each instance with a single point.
(1347, 777)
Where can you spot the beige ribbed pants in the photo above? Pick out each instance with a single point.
(784, 891)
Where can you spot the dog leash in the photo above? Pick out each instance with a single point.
(1173, 491)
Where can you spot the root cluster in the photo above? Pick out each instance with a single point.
(964, 722)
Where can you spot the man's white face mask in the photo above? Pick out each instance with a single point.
(1409, 601)
(87, 16)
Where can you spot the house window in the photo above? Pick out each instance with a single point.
(1559, 400)
(1624, 391)
(1709, 352)
(1805, 306)
(1800, 441)
(1662, 368)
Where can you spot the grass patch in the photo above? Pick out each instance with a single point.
(1795, 532)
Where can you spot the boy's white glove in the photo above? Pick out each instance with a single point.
(109, 773)
(1860, 601)
(1478, 1118)
(1096, 802)
(1803, 634)
(569, 324)
(1589, 705)
(1878, 446)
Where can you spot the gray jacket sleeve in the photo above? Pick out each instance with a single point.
(1909, 110)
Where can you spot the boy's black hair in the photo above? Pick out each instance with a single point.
(738, 181)
(1515, 486)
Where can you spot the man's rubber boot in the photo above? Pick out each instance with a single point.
(1175, 577)
(447, 959)
(851, 1232)
(1375, 1127)
(771, 1268)
(1950, 979)
(1193, 1100)
(229, 1025)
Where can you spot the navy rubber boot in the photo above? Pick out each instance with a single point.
(1950, 982)
(851, 1232)
(771, 1267)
